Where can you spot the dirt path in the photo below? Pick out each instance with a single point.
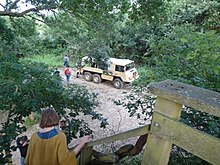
(118, 117)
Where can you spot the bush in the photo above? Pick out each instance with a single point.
(188, 56)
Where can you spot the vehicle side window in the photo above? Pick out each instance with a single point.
(119, 68)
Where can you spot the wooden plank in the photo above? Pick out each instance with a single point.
(121, 136)
(157, 150)
(198, 98)
(192, 140)
(86, 155)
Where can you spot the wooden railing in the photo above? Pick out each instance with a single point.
(165, 128)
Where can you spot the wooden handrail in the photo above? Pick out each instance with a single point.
(86, 153)
(199, 98)
(121, 136)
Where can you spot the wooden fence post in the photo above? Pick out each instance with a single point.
(157, 150)
(86, 155)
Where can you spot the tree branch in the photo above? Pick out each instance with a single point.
(8, 117)
(2, 5)
(21, 14)
(13, 5)
(37, 9)
(11, 14)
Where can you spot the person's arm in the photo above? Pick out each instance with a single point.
(83, 141)
(25, 143)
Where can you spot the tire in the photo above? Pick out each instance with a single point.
(96, 78)
(117, 83)
(88, 76)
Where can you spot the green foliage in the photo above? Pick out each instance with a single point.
(28, 121)
(182, 157)
(201, 121)
(87, 41)
(23, 27)
(198, 12)
(146, 76)
(28, 87)
(88, 10)
(107, 34)
(151, 11)
(139, 103)
(22, 38)
(6, 33)
(188, 56)
(135, 160)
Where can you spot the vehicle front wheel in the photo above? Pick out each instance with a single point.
(88, 76)
(96, 78)
(117, 83)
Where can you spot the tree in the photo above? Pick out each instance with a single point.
(201, 13)
(191, 57)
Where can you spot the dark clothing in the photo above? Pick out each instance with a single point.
(56, 72)
(23, 149)
(66, 63)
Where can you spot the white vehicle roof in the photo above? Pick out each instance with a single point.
(121, 62)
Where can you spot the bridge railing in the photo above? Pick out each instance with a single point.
(165, 128)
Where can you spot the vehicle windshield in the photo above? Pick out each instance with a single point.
(129, 66)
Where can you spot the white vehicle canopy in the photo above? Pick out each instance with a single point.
(121, 62)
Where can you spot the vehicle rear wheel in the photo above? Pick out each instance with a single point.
(88, 76)
(96, 78)
(117, 83)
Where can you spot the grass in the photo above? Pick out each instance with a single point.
(48, 59)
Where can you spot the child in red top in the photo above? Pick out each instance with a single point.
(67, 72)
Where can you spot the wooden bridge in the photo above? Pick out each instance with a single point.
(165, 128)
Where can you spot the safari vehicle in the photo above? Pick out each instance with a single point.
(119, 71)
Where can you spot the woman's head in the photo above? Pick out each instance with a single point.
(49, 118)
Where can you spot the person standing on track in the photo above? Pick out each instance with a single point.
(67, 73)
(66, 60)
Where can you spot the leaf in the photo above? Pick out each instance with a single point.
(183, 40)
